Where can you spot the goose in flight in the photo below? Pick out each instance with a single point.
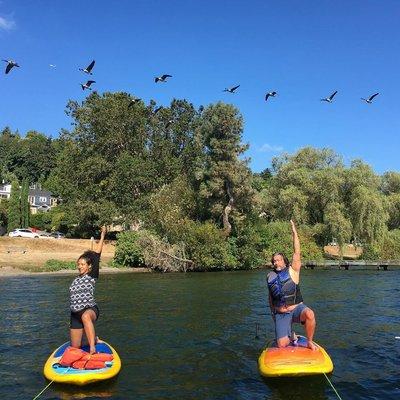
(330, 98)
(270, 94)
(231, 90)
(10, 65)
(369, 100)
(162, 78)
(88, 69)
(87, 85)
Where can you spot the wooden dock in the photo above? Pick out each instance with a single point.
(383, 265)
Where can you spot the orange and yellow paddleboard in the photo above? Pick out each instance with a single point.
(294, 360)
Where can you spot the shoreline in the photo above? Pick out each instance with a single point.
(9, 272)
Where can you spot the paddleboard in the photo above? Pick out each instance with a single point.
(296, 360)
(53, 371)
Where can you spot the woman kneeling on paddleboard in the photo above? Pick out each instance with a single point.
(285, 299)
(84, 310)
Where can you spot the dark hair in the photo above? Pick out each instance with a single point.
(87, 256)
(283, 256)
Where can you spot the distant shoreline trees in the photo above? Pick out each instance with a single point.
(179, 173)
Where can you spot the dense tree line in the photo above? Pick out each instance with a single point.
(181, 174)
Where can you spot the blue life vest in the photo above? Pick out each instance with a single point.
(283, 291)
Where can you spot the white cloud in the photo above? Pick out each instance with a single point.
(6, 23)
(266, 148)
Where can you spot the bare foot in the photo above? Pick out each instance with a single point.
(311, 345)
(98, 340)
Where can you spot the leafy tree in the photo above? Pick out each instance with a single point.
(338, 225)
(25, 206)
(207, 246)
(14, 207)
(4, 205)
(170, 207)
(224, 179)
(393, 209)
(390, 183)
(368, 214)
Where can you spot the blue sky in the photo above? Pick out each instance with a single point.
(302, 49)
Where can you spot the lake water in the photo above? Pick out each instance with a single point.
(192, 336)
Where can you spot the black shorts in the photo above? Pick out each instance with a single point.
(76, 317)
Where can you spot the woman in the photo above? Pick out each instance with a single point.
(84, 310)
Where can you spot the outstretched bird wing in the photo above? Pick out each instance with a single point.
(234, 88)
(90, 66)
(266, 96)
(88, 83)
(374, 95)
(332, 95)
(165, 76)
(8, 68)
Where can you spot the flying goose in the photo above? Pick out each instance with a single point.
(88, 69)
(270, 94)
(87, 85)
(369, 100)
(162, 78)
(231, 90)
(330, 98)
(10, 65)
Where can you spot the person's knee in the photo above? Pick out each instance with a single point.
(309, 314)
(86, 317)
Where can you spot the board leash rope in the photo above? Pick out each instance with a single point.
(37, 396)
(333, 387)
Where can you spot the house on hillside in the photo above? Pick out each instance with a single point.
(40, 200)
(5, 191)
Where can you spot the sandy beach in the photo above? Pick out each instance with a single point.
(22, 256)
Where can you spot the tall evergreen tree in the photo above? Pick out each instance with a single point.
(225, 179)
(25, 208)
(14, 208)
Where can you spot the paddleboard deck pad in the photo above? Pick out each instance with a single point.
(296, 360)
(53, 371)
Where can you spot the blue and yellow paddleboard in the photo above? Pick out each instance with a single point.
(294, 360)
(53, 371)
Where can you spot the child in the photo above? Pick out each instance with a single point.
(84, 310)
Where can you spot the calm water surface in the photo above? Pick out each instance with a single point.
(193, 336)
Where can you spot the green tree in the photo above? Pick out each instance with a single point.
(14, 208)
(338, 225)
(4, 212)
(24, 204)
(368, 214)
(390, 183)
(393, 209)
(224, 179)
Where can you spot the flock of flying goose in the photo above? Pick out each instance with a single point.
(163, 78)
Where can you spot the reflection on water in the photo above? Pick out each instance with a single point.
(186, 336)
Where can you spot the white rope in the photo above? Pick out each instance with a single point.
(37, 396)
(333, 387)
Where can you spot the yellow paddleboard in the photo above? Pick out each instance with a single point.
(53, 371)
(294, 360)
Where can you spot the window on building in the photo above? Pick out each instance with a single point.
(42, 199)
